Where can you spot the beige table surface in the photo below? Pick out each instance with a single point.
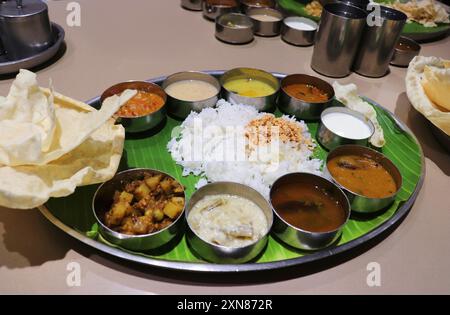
(140, 39)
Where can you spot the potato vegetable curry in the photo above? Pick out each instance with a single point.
(146, 205)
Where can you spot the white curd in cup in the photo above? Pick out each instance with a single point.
(347, 126)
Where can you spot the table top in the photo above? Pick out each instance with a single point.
(152, 38)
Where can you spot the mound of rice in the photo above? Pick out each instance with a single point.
(208, 143)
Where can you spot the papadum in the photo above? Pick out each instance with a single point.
(50, 144)
(428, 89)
(348, 95)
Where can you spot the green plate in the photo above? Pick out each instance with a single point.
(73, 214)
(413, 30)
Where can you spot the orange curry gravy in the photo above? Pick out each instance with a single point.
(362, 175)
(143, 103)
(308, 207)
(306, 92)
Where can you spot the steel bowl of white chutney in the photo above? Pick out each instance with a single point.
(228, 222)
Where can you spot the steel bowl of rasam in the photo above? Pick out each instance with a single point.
(144, 111)
(249, 86)
(370, 180)
(310, 211)
(305, 96)
(405, 50)
(190, 91)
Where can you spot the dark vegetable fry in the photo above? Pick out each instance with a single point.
(146, 205)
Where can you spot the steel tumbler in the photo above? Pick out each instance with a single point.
(25, 28)
(337, 39)
(378, 41)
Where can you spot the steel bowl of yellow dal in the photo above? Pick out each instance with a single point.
(252, 87)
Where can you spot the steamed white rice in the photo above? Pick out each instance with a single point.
(206, 141)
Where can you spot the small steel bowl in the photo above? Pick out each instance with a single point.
(360, 203)
(139, 123)
(102, 202)
(304, 110)
(262, 103)
(222, 254)
(325, 2)
(402, 57)
(265, 28)
(362, 4)
(297, 237)
(331, 139)
(234, 28)
(252, 4)
(193, 5)
(180, 109)
(297, 36)
(212, 9)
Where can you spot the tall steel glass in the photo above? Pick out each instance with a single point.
(378, 41)
(337, 39)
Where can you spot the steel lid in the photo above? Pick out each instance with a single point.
(13, 9)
